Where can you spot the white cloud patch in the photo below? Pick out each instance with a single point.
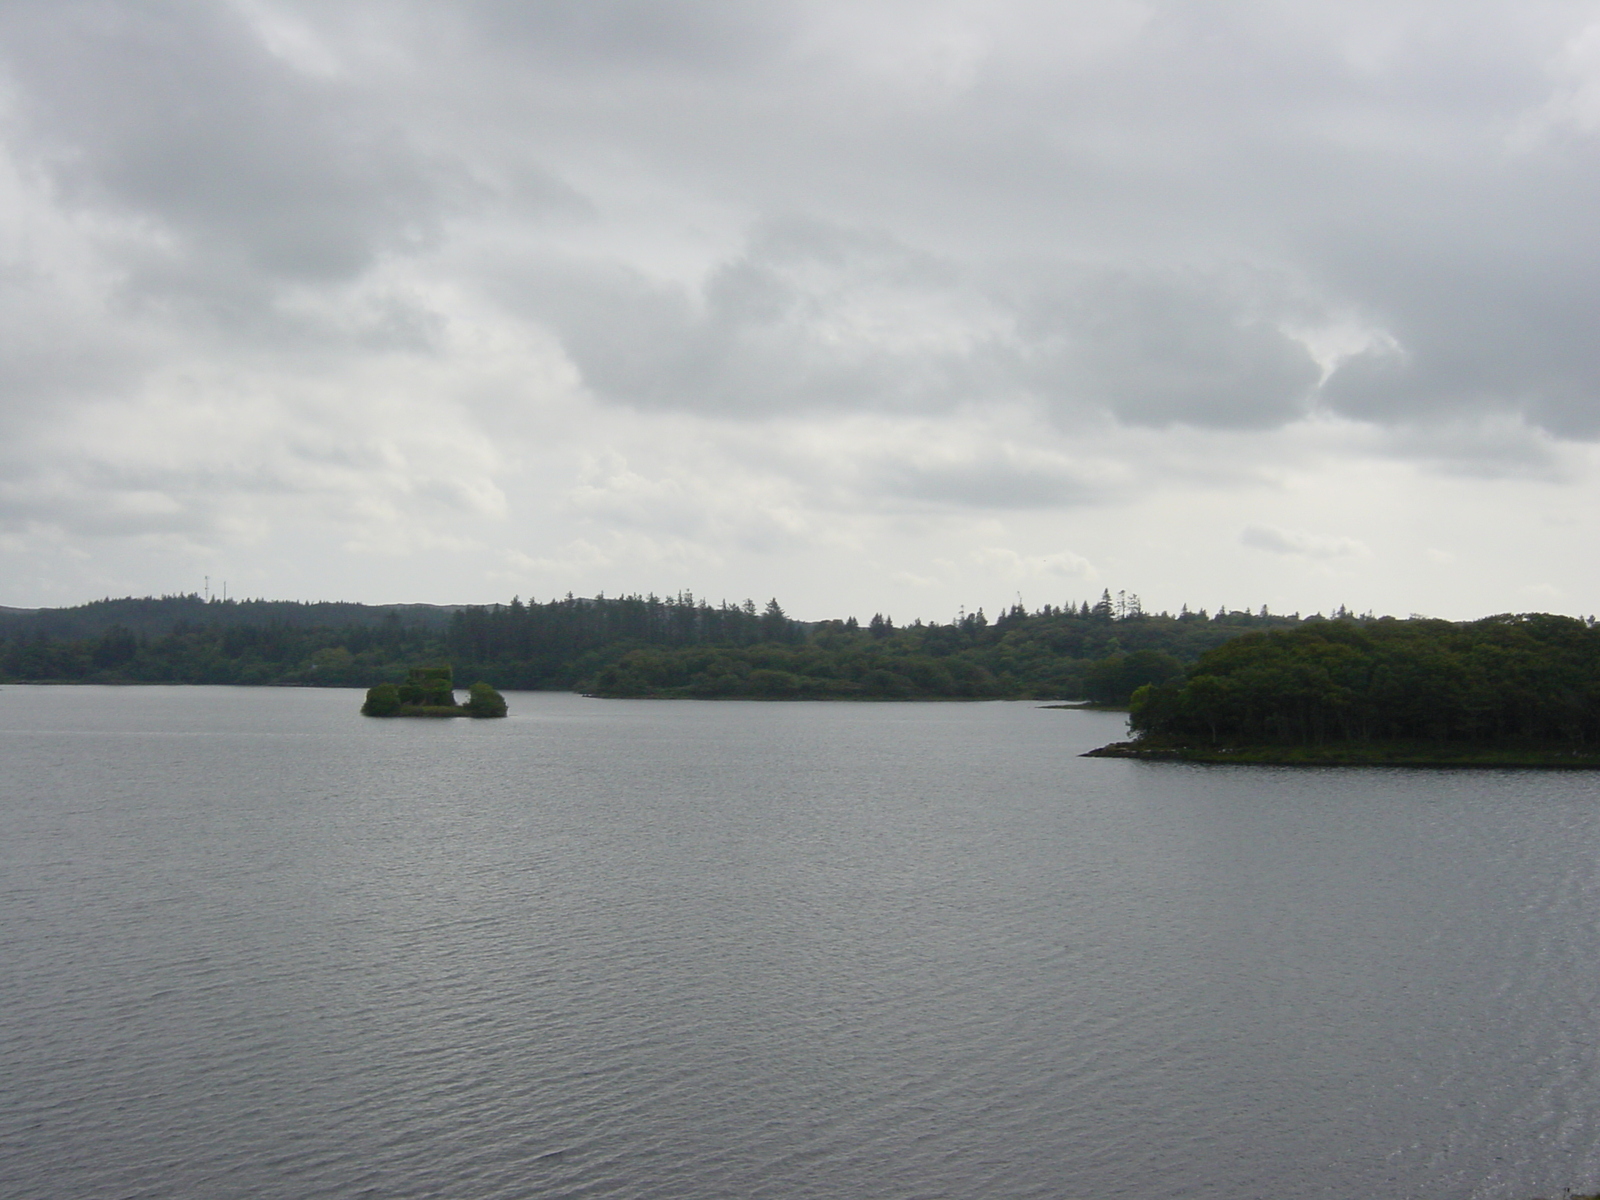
(1573, 106)
(681, 501)
(1297, 542)
(998, 475)
(1062, 565)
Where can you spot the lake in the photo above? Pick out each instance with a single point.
(255, 945)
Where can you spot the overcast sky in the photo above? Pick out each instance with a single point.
(865, 304)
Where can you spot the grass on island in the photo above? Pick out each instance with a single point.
(1355, 754)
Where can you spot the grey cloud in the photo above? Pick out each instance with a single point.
(564, 34)
(1167, 347)
(816, 316)
(43, 368)
(87, 499)
(810, 316)
(1514, 336)
(177, 114)
(1494, 447)
(176, 481)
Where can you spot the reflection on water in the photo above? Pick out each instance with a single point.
(256, 945)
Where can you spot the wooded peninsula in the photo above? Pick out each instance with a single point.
(1503, 691)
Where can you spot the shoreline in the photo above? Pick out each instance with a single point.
(1376, 755)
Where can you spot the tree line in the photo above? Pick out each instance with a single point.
(633, 645)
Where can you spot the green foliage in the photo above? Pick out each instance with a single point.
(1509, 680)
(863, 668)
(382, 701)
(429, 687)
(1115, 678)
(484, 701)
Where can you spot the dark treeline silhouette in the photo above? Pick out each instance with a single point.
(331, 656)
(153, 616)
(623, 646)
(1100, 652)
(561, 643)
(1528, 680)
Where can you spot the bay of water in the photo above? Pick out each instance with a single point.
(255, 945)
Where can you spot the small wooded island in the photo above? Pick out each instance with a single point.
(1504, 691)
(430, 692)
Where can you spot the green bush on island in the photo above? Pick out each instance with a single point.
(382, 701)
(484, 701)
(429, 687)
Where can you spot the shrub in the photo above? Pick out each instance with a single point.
(382, 701)
(484, 701)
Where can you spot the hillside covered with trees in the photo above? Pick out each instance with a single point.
(637, 646)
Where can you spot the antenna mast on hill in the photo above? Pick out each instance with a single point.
(208, 589)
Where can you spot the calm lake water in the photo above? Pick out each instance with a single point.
(254, 945)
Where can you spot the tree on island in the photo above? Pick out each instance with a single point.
(430, 687)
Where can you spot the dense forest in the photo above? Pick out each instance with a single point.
(639, 646)
(1530, 680)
